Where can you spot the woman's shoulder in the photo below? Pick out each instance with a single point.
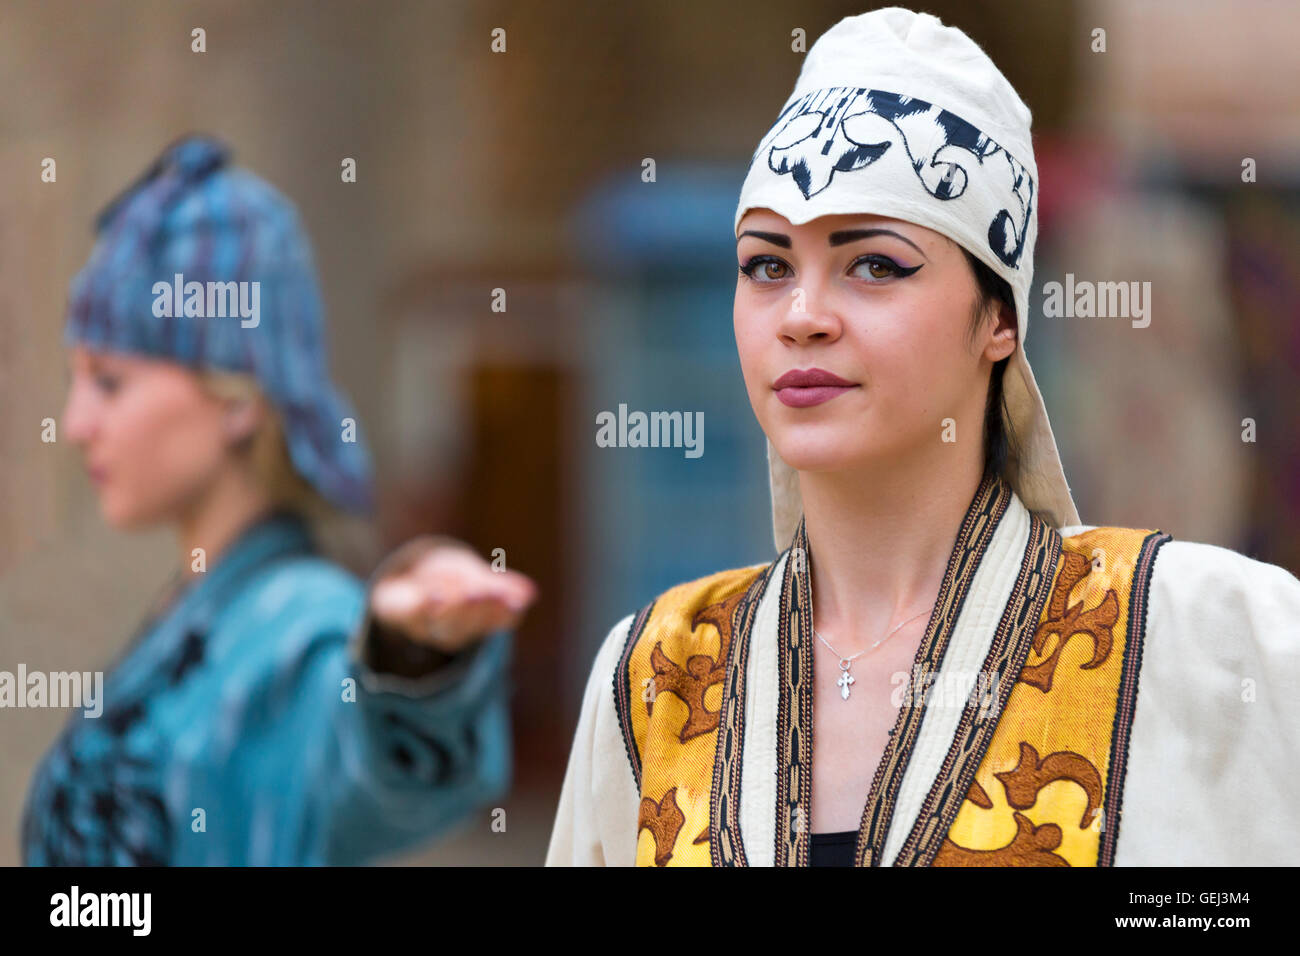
(698, 593)
(1230, 605)
(1218, 674)
(294, 600)
(1215, 566)
(1199, 568)
(683, 603)
(679, 611)
(684, 621)
(307, 581)
(1210, 605)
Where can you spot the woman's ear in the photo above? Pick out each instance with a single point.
(242, 419)
(1003, 341)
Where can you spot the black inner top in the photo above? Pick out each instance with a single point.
(832, 849)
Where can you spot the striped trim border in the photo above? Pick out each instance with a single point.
(623, 695)
(794, 711)
(1139, 594)
(982, 519)
(1006, 656)
(725, 845)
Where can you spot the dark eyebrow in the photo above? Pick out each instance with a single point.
(853, 235)
(776, 238)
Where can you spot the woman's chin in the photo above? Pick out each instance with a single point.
(123, 516)
(817, 456)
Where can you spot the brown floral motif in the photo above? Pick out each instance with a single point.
(664, 820)
(978, 796)
(701, 672)
(1031, 846)
(1031, 775)
(1065, 621)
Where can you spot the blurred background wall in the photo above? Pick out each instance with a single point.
(522, 171)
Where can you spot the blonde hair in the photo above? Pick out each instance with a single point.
(268, 449)
(344, 538)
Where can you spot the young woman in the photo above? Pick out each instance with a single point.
(261, 716)
(943, 667)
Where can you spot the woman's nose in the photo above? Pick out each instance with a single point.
(809, 318)
(78, 415)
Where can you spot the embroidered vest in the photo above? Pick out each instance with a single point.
(1034, 776)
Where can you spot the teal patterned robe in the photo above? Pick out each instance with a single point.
(243, 727)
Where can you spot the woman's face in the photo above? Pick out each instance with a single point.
(152, 438)
(853, 334)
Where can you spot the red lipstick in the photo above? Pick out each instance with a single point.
(803, 388)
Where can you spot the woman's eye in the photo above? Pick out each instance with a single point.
(106, 383)
(765, 269)
(881, 267)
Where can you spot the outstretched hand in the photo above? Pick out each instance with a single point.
(449, 597)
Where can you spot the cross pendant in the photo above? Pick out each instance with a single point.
(845, 680)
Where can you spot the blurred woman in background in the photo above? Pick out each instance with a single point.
(269, 711)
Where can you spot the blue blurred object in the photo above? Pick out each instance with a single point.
(662, 259)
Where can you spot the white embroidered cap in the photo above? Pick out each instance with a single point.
(895, 114)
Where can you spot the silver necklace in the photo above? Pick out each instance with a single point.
(846, 678)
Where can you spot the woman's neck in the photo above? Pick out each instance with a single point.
(228, 507)
(880, 540)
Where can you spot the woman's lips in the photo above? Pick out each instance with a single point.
(805, 397)
(97, 475)
(803, 388)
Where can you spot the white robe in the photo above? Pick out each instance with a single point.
(1213, 772)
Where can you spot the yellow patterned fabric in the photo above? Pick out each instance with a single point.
(1038, 798)
(1053, 768)
(674, 679)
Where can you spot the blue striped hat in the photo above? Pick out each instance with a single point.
(209, 266)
